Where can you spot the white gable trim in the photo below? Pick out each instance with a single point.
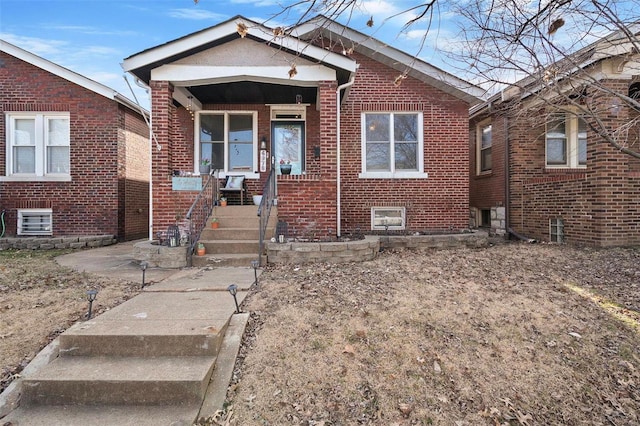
(193, 75)
(261, 32)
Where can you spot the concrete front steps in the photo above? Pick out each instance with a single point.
(237, 239)
(148, 361)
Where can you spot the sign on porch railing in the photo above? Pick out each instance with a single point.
(181, 183)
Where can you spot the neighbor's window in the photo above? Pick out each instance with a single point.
(392, 145)
(387, 218)
(566, 141)
(556, 230)
(35, 222)
(38, 144)
(484, 148)
(228, 140)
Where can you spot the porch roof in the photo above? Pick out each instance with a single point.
(160, 62)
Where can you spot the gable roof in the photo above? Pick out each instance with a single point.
(141, 64)
(391, 57)
(614, 44)
(69, 75)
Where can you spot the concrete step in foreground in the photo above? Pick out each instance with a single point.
(119, 380)
(120, 415)
(225, 260)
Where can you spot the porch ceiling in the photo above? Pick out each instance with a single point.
(252, 92)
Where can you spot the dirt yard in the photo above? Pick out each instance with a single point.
(514, 334)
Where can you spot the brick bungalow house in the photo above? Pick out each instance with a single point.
(74, 159)
(376, 138)
(545, 172)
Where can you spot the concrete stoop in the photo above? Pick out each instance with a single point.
(152, 360)
(236, 241)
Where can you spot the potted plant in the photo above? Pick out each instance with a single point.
(285, 167)
(223, 202)
(205, 166)
(214, 223)
(200, 250)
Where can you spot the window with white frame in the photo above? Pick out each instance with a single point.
(38, 144)
(35, 222)
(388, 218)
(392, 145)
(228, 140)
(484, 142)
(556, 230)
(566, 141)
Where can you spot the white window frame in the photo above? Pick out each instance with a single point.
(379, 225)
(392, 173)
(479, 132)
(251, 174)
(571, 129)
(47, 214)
(41, 145)
(556, 230)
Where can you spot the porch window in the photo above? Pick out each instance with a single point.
(228, 140)
(392, 145)
(566, 141)
(38, 145)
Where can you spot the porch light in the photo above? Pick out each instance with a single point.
(263, 143)
(91, 296)
(298, 99)
(233, 289)
(143, 266)
(254, 265)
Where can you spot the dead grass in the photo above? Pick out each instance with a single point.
(39, 299)
(456, 337)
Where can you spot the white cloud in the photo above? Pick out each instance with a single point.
(196, 14)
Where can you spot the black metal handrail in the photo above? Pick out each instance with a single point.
(200, 211)
(264, 210)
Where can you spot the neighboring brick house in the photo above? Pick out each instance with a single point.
(74, 159)
(376, 138)
(544, 172)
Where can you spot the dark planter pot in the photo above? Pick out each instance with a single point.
(285, 169)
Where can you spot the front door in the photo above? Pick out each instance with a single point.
(288, 145)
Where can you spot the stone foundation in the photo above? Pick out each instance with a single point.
(50, 243)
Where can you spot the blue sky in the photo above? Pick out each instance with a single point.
(92, 37)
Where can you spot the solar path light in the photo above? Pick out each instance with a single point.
(91, 296)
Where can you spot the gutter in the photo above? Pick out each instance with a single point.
(338, 206)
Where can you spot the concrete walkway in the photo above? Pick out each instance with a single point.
(181, 315)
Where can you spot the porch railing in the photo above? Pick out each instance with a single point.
(264, 210)
(200, 211)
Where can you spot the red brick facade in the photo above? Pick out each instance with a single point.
(599, 204)
(308, 202)
(108, 191)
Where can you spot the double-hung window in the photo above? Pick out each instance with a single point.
(392, 145)
(228, 140)
(566, 141)
(484, 142)
(38, 145)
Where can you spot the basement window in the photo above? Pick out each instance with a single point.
(556, 230)
(485, 218)
(35, 222)
(388, 218)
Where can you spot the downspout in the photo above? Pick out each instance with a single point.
(338, 215)
(507, 179)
